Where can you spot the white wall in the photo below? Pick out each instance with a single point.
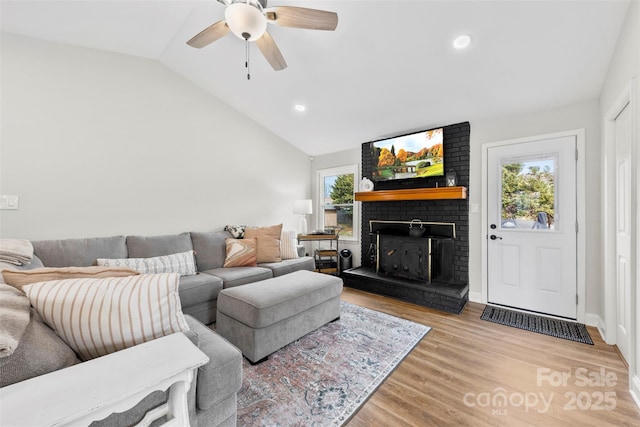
(578, 116)
(333, 160)
(97, 143)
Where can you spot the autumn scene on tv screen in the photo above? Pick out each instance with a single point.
(417, 155)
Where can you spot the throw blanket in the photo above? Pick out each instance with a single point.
(14, 318)
(16, 251)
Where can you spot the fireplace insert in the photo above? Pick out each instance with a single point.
(427, 258)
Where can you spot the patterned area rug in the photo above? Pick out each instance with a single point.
(324, 377)
(543, 325)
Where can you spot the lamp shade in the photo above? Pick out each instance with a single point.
(245, 21)
(302, 207)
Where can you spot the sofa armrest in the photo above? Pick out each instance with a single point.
(222, 376)
(113, 383)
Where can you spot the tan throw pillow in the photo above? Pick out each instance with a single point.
(20, 278)
(268, 242)
(240, 253)
(289, 245)
(101, 316)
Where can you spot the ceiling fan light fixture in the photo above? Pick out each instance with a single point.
(246, 21)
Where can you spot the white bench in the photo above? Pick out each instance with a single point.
(94, 389)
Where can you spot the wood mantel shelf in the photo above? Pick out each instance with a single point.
(438, 193)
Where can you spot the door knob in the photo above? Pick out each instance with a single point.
(494, 237)
(493, 226)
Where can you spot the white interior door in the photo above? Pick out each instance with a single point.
(532, 229)
(623, 230)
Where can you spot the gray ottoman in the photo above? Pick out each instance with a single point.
(262, 317)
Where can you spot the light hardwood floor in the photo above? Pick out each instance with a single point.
(467, 371)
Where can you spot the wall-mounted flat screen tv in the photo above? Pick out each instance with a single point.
(415, 155)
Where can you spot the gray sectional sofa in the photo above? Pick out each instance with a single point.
(198, 293)
(212, 399)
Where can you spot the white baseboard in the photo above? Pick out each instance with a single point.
(475, 296)
(635, 389)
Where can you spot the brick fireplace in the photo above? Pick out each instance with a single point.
(450, 294)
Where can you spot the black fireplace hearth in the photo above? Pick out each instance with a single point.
(448, 297)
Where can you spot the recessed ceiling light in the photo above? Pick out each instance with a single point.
(299, 107)
(462, 42)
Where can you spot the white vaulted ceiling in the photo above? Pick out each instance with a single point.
(389, 67)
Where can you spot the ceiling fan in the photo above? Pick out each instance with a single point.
(248, 20)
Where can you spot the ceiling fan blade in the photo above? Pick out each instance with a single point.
(270, 50)
(209, 35)
(301, 17)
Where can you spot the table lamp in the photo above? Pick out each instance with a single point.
(302, 208)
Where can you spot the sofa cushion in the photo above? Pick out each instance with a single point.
(241, 253)
(290, 265)
(268, 242)
(236, 276)
(222, 376)
(182, 263)
(21, 278)
(210, 248)
(39, 352)
(79, 252)
(100, 316)
(154, 246)
(199, 288)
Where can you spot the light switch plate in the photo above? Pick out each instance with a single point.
(9, 201)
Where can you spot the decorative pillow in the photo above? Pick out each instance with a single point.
(20, 278)
(182, 263)
(6, 266)
(289, 245)
(100, 316)
(268, 242)
(236, 231)
(240, 253)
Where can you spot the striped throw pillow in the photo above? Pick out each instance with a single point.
(100, 316)
(183, 263)
(20, 278)
(289, 245)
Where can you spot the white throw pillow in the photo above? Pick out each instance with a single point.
(183, 263)
(100, 316)
(289, 245)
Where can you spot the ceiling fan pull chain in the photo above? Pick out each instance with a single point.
(246, 62)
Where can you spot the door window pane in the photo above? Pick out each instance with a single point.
(529, 193)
